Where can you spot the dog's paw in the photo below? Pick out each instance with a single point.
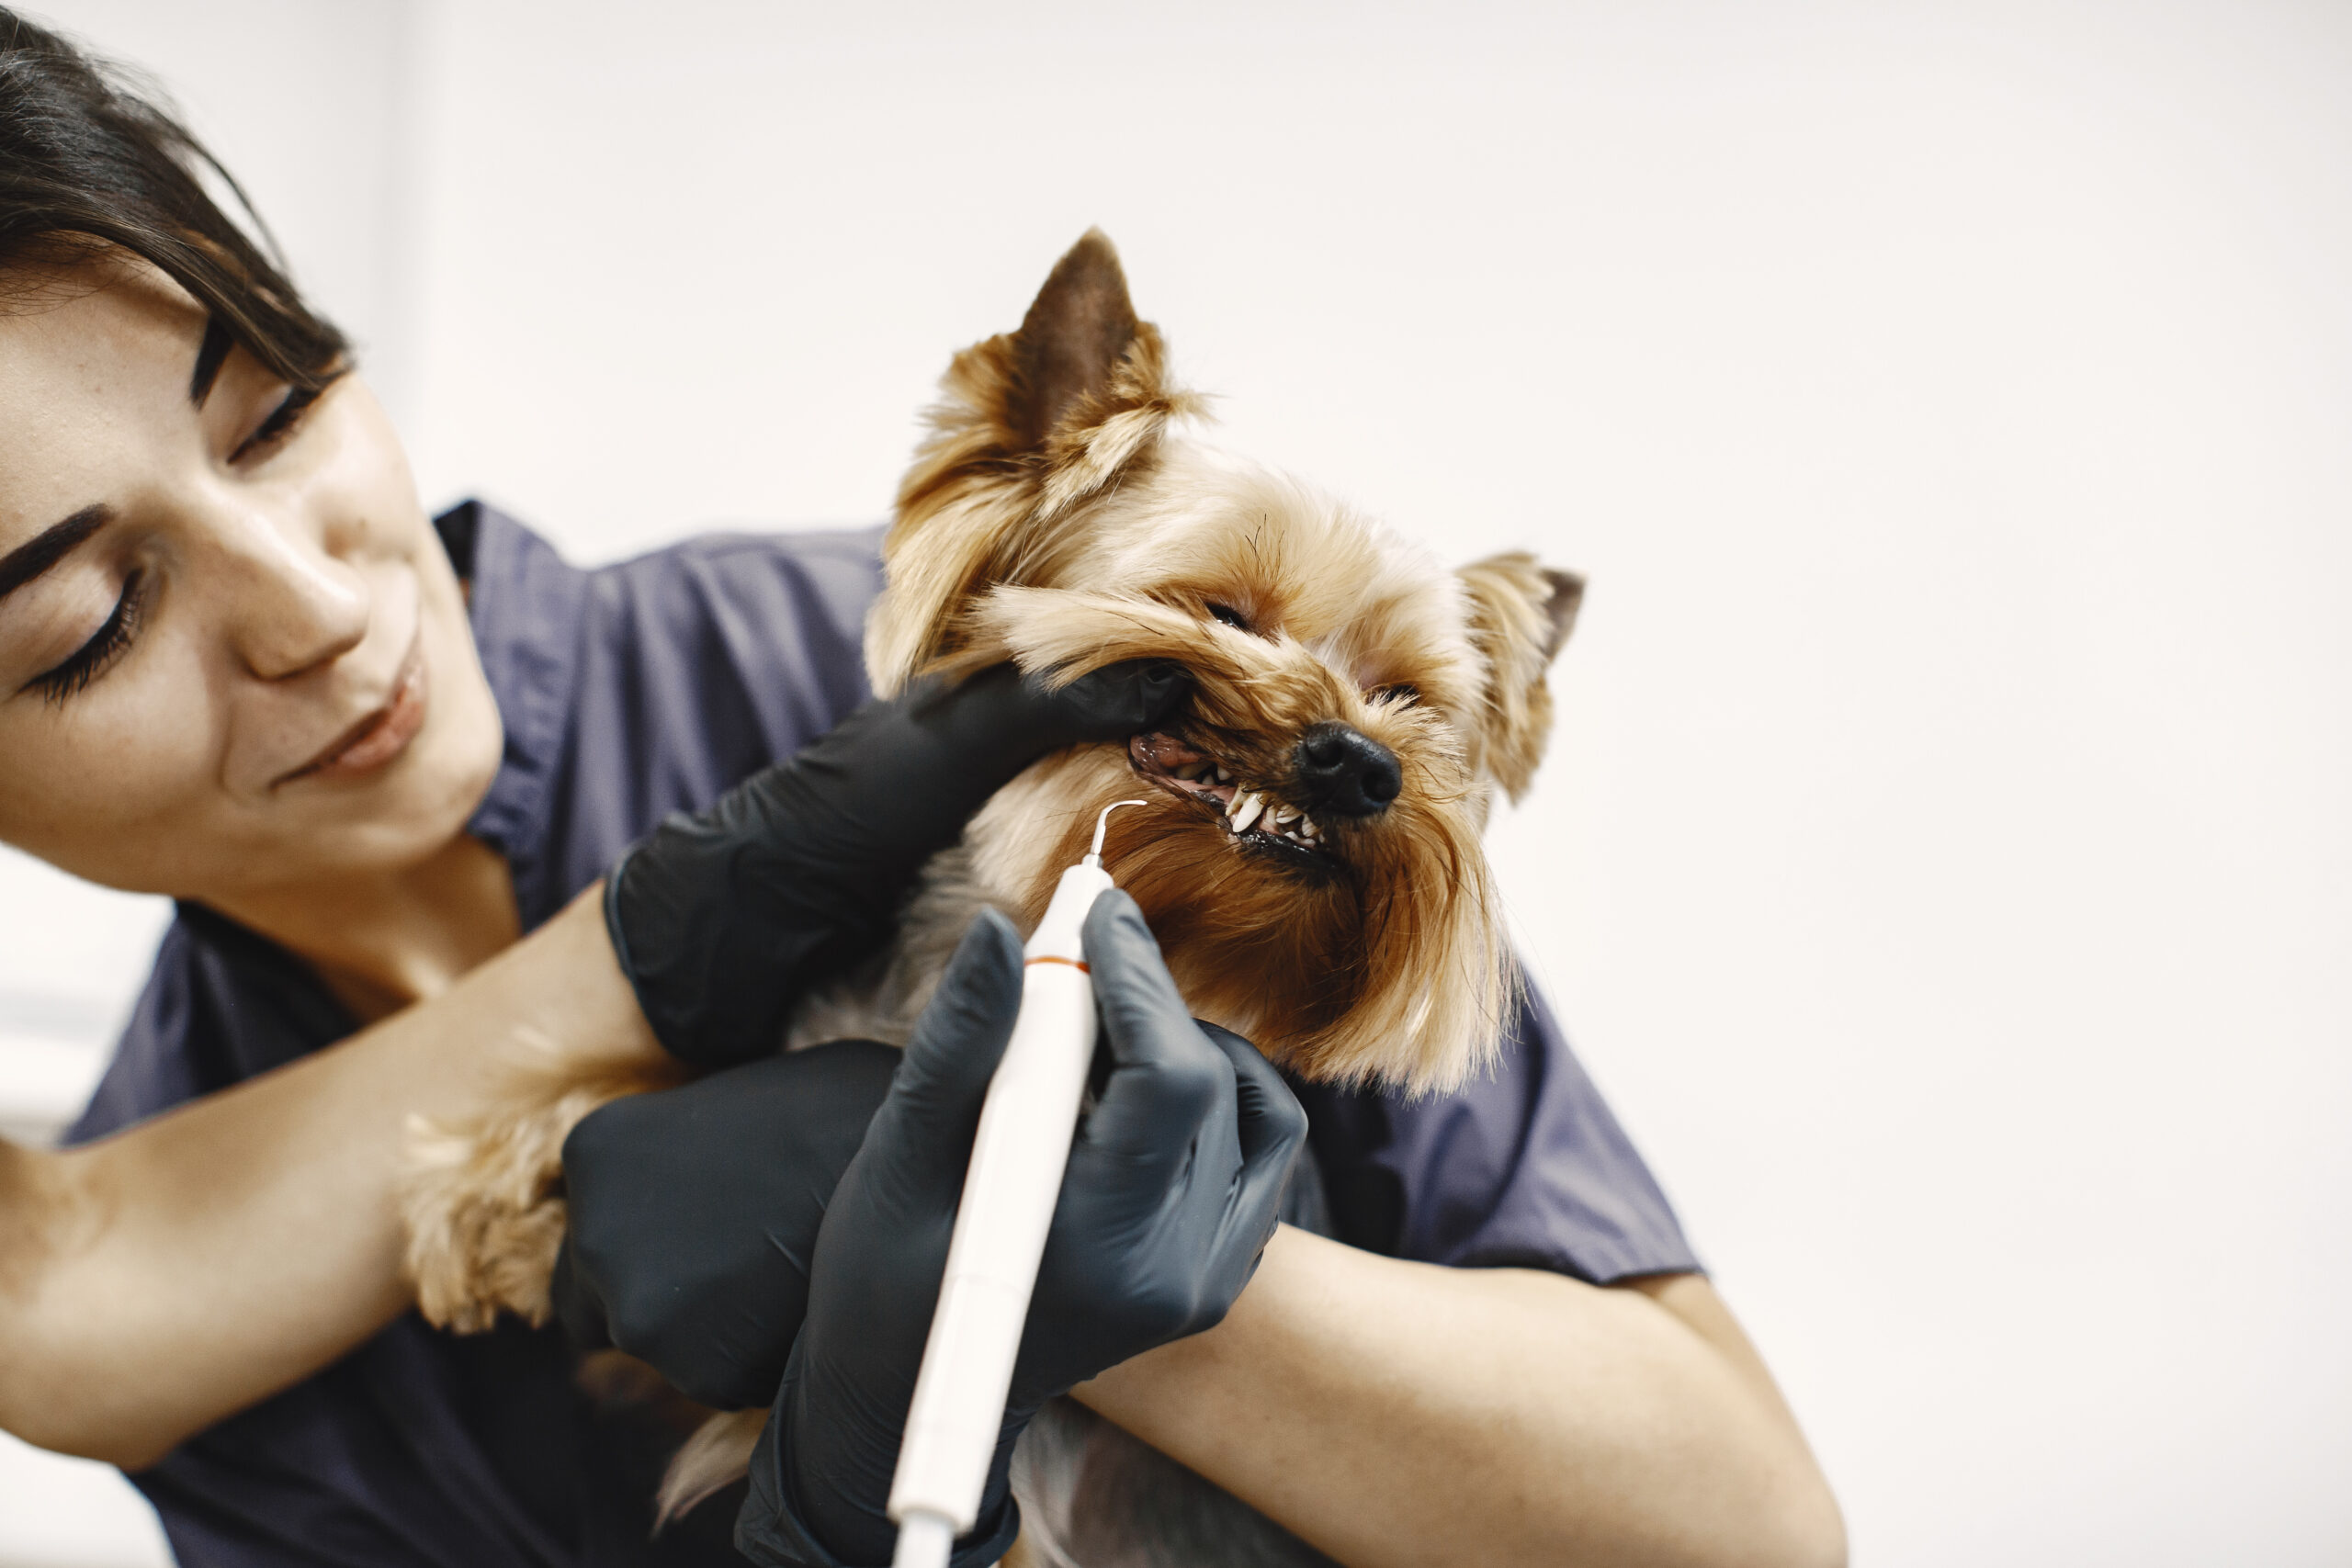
(483, 1207)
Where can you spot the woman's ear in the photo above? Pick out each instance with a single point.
(1029, 425)
(1521, 615)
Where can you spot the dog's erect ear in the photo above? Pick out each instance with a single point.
(1029, 425)
(1521, 614)
(1076, 330)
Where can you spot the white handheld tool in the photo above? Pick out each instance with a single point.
(1009, 1194)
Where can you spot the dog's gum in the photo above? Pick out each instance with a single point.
(1167, 760)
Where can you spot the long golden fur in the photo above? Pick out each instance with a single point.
(1057, 516)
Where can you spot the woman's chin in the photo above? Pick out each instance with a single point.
(401, 808)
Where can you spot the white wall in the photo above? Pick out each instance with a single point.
(1942, 864)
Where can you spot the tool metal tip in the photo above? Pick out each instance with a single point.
(1103, 826)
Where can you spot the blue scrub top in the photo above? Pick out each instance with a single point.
(629, 692)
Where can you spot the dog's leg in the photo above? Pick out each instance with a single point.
(480, 1200)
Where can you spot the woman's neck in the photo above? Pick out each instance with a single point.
(385, 940)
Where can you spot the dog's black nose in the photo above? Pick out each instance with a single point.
(1342, 772)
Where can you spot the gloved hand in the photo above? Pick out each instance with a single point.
(693, 1212)
(1174, 1184)
(722, 918)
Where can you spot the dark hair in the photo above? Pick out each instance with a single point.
(89, 164)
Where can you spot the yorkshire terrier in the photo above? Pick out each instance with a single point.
(1309, 855)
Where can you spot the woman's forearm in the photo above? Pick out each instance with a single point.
(1400, 1414)
(166, 1277)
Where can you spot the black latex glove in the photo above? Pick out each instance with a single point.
(722, 918)
(693, 1212)
(1174, 1181)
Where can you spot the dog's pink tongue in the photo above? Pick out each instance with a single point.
(1164, 752)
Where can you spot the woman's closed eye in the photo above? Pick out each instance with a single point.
(106, 645)
(94, 658)
(281, 423)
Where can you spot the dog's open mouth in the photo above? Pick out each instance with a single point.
(1248, 812)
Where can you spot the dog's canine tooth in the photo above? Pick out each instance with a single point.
(1245, 807)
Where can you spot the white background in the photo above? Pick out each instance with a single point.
(1943, 861)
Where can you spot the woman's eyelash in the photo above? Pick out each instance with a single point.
(280, 423)
(91, 659)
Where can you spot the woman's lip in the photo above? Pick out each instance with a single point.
(381, 735)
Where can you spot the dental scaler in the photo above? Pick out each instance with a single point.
(1010, 1190)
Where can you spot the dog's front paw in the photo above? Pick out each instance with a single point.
(483, 1207)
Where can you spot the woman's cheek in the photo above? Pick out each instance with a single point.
(122, 780)
(368, 476)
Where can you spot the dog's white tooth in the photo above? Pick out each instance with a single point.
(1190, 771)
(1222, 776)
(1285, 813)
(1245, 807)
(1306, 825)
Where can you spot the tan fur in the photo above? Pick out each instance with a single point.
(1520, 614)
(1055, 515)
(479, 1203)
(719, 1450)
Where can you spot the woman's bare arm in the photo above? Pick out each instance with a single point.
(162, 1278)
(1400, 1414)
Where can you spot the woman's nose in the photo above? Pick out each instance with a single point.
(295, 605)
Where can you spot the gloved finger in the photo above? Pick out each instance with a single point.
(1273, 1124)
(1116, 701)
(1168, 1084)
(1002, 718)
(577, 1306)
(933, 1107)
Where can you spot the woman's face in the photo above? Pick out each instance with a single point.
(233, 653)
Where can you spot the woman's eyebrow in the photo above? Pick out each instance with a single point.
(49, 547)
(210, 357)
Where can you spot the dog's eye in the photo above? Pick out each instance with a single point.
(1402, 692)
(1230, 617)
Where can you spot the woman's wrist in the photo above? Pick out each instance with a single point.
(555, 1001)
(1296, 1274)
(596, 1016)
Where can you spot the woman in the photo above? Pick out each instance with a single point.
(367, 754)
(237, 668)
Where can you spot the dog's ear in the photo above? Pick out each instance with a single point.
(1071, 342)
(1520, 616)
(1031, 425)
